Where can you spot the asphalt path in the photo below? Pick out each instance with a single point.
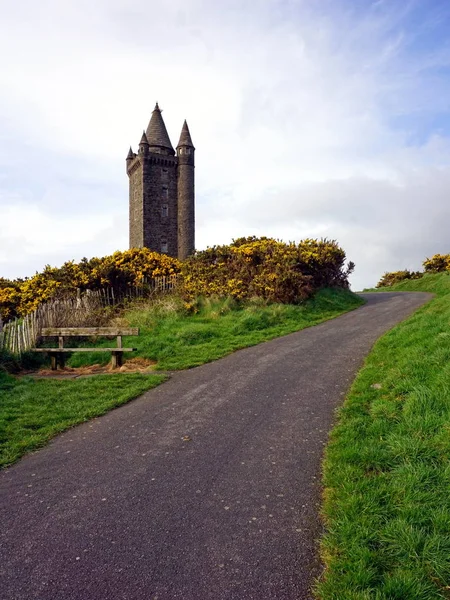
(207, 487)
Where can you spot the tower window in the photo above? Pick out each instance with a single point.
(164, 246)
(165, 191)
(164, 210)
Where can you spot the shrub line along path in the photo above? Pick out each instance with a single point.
(207, 487)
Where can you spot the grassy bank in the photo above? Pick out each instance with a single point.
(177, 339)
(438, 283)
(387, 467)
(32, 411)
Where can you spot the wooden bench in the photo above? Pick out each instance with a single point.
(57, 354)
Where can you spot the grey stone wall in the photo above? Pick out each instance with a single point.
(136, 204)
(160, 223)
(186, 202)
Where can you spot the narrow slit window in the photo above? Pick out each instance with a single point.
(164, 246)
(164, 210)
(165, 191)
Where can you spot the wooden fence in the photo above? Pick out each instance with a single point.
(86, 309)
(19, 335)
(157, 285)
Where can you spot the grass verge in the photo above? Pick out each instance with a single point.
(175, 339)
(387, 467)
(32, 411)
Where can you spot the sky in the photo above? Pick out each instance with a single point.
(310, 118)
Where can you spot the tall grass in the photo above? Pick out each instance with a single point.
(177, 336)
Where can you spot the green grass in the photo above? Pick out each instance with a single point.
(32, 411)
(387, 467)
(177, 340)
(438, 284)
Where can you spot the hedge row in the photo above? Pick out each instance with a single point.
(248, 267)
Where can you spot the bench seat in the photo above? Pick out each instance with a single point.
(57, 354)
(84, 349)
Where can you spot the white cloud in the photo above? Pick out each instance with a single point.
(31, 238)
(292, 107)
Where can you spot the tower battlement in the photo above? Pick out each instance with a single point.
(162, 191)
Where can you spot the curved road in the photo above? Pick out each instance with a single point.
(207, 487)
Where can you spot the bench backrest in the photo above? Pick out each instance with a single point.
(88, 331)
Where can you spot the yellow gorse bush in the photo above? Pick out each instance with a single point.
(266, 268)
(9, 301)
(389, 279)
(120, 270)
(437, 263)
(249, 267)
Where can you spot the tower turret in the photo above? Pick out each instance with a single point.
(186, 194)
(143, 144)
(157, 136)
(130, 157)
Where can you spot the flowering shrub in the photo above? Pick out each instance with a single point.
(121, 270)
(249, 267)
(324, 260)
(36, 290)
(130, 268)
(437, 263)
(9, 302)
(266, 268)
(389, 279)
(9, 298)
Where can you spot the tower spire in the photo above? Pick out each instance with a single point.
(186, 194)
(130, 158)
(185, 136)
(143, 144)
(157, 136)
(144, 139)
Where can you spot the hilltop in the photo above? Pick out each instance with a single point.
(436, 283)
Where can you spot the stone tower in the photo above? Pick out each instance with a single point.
(162, 200)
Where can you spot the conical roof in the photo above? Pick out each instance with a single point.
(185, 137)
(144, 139)
(130, 153)
(157, 135)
